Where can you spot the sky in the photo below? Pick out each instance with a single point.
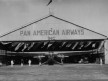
(91, 14)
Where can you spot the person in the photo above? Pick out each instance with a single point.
(12, 63)
(81, 61)
(100, 61)
(29, 62)
(62, 58)
(22, 62)
(0, 63)
(85, 60)
(39, 57)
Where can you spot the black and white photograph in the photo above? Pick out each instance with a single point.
(53, 40)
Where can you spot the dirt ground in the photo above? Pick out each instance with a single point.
(67, 72)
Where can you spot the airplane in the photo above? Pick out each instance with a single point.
(51, 54)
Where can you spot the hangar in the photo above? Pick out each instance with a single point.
(52, 40)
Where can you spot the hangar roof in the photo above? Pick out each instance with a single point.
(51, 28)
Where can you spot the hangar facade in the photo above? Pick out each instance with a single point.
(53, 36)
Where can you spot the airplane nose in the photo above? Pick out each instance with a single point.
(51, 62)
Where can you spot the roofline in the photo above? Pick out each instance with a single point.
(56, 18)
(24, 26)
(54, 40)
(80, 26)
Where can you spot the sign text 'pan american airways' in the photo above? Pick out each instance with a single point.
(52, 31)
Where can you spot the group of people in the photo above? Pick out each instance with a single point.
(29, 62)
(84, 60)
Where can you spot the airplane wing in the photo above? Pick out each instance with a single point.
(65, 53)
(70, 53)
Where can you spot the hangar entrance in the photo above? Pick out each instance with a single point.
(74, 59)
(54, 51)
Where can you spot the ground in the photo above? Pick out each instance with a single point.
(68, 72)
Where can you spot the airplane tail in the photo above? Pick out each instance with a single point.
(49, 2)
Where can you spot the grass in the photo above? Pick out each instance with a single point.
(67, 72)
